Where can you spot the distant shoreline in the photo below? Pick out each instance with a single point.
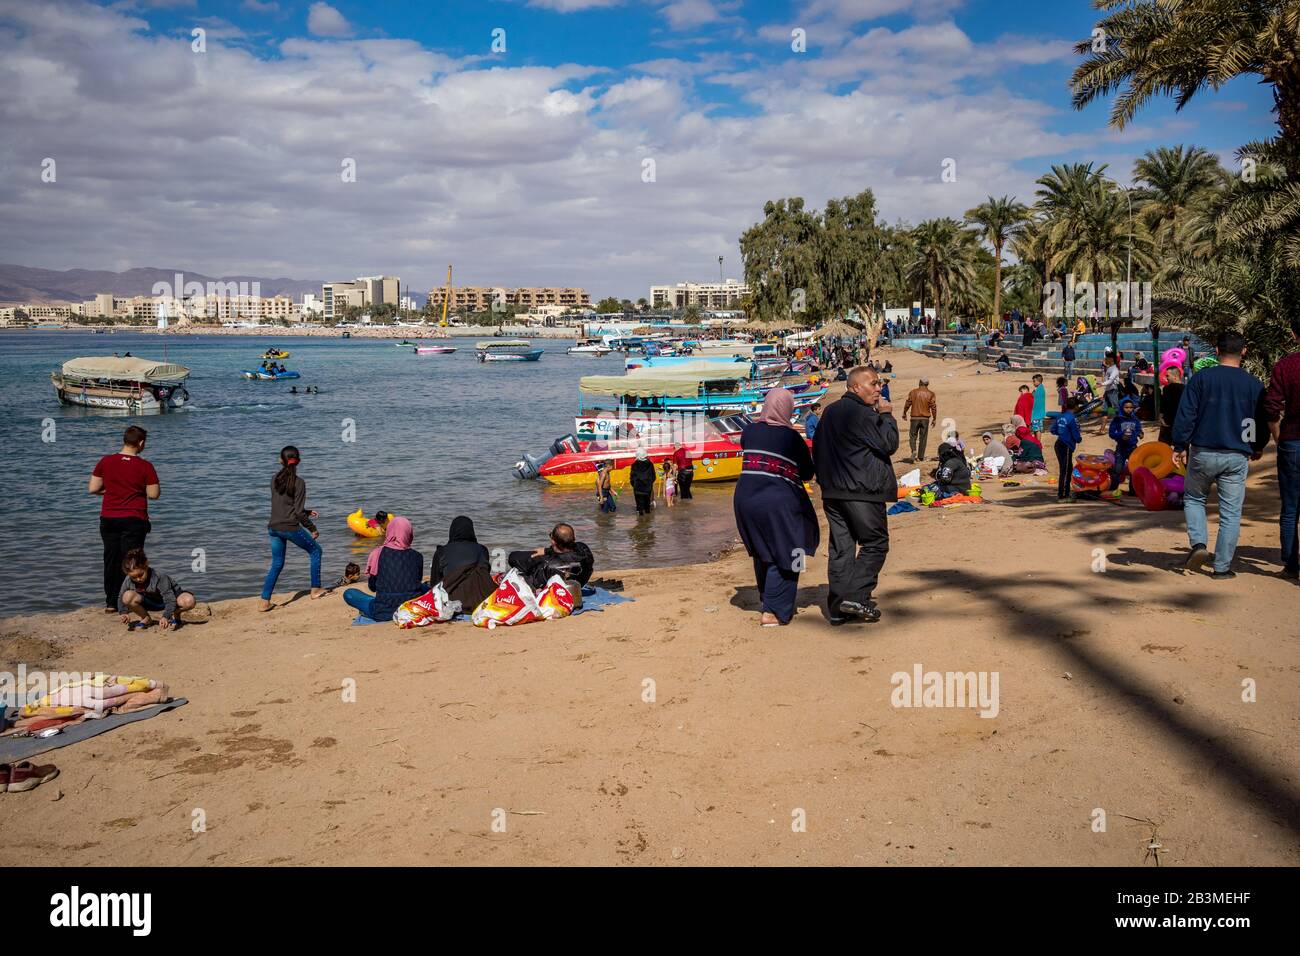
(374, 332)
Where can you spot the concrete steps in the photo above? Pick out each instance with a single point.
(1045, 356)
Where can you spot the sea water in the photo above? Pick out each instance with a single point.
(425, 436)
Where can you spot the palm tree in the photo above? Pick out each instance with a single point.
(1236, 291)
(1176, 183)
(1155, 47)
(1062, 197)
(1030, 248)
(1096, 242)
(998, 220)
(945, 262)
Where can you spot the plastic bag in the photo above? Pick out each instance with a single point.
(435, 607)
(556, 600)
(513, 602)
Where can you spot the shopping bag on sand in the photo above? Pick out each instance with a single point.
(513, 602)
(556, 600)
(431, 608)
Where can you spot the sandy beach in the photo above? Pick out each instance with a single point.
(1120, 690)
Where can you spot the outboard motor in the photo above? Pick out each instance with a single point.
(530, 466)
(568, 445)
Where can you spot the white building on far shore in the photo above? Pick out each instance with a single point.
(706, 295)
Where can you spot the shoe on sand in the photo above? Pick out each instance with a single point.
(28, 776)
(1223, 575)
(861, 612)
(1198, 559)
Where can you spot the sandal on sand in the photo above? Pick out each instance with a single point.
(24, 776)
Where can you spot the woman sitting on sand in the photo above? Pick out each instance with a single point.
(395, 571)
(1026, 449)
(773, 514)
(462, 566)
(994, 449)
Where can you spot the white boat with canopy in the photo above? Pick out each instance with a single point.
(129, 384)
(506, 350)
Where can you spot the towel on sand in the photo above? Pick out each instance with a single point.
(13, 749)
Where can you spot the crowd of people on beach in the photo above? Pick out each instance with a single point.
(1216, 419)
(126, 482)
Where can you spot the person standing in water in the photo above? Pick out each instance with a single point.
(642, 475)
(125, 483)
(604, 489)
(290, 521)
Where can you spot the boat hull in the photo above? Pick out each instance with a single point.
(127, 401)
(269, 377)
(718, 460)
(531, 356)
(435, 350)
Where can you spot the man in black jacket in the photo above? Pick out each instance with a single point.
(855, 439)
(567, 557)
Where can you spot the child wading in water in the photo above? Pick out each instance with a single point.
(145, 590)
(670, 482)
(604, 489)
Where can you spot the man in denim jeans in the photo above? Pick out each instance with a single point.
(1219, 429)
(1282, 401)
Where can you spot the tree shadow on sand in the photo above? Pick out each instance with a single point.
(1053, 624)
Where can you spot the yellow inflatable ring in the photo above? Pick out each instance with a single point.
(361, 526)
(1155, 456)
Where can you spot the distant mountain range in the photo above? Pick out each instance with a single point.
(20, 284)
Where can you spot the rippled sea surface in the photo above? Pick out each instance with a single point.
(435, 436)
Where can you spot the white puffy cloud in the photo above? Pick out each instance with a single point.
(229, 162)
(572, 6)
(325, 21)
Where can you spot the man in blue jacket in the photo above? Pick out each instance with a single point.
(1220, 427)
(855, 440)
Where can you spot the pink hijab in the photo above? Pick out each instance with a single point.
(398, 537)
(778, 407)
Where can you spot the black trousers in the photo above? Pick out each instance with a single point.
(1065, 460)
(643, 501)
(859, 546)
(684, 479)
(120, 535)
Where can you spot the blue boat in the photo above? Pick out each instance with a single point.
(263, 376)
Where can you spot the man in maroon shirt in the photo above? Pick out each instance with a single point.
(1282, 403)
(126, 483)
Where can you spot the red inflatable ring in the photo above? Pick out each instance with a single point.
(1149, 490)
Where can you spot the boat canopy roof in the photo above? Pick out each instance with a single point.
(677, 381)
(503, 344)
(132, 368)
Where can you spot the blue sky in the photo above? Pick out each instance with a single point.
(527, 166)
